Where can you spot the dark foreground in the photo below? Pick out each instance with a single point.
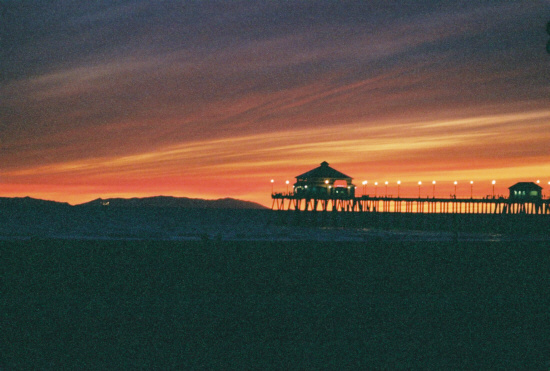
(284, 305)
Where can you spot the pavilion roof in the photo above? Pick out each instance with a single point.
(526, 185)
(325, 172)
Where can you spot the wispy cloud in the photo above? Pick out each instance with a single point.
(301, 146)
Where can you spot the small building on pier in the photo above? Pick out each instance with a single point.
(324, 182)
(525, 191)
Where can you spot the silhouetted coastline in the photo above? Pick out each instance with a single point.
(174, 219)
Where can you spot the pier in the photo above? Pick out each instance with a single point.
(457, 215)
(327, 189)
(501, 205)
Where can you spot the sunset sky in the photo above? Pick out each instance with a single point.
(214, 99)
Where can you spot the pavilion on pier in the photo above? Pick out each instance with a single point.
(324, 182)
(525, 191)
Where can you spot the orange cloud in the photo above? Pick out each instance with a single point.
(242, 166)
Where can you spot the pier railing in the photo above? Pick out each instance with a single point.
(487, 205)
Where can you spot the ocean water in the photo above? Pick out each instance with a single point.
(179, 224)
(274, 304)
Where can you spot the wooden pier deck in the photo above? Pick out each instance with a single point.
(489, 205)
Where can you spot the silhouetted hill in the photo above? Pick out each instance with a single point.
(152, 217)
(29, 202)
(179, 202)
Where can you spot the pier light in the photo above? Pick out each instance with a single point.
(287, 183)
(471, 189)
(455, 187)
(538, 181)
(386, 183)
(364, 187)
(433, 192)
(398, 184)
(272, 181)
(493, 182)
(419, 185)
(375, 188)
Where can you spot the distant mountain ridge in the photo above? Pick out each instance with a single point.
(29, 202)
(178, 202)
(159, 217)
(157, 201)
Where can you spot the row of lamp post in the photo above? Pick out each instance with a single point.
(365, 182)
(420, 187)
(273, 185)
